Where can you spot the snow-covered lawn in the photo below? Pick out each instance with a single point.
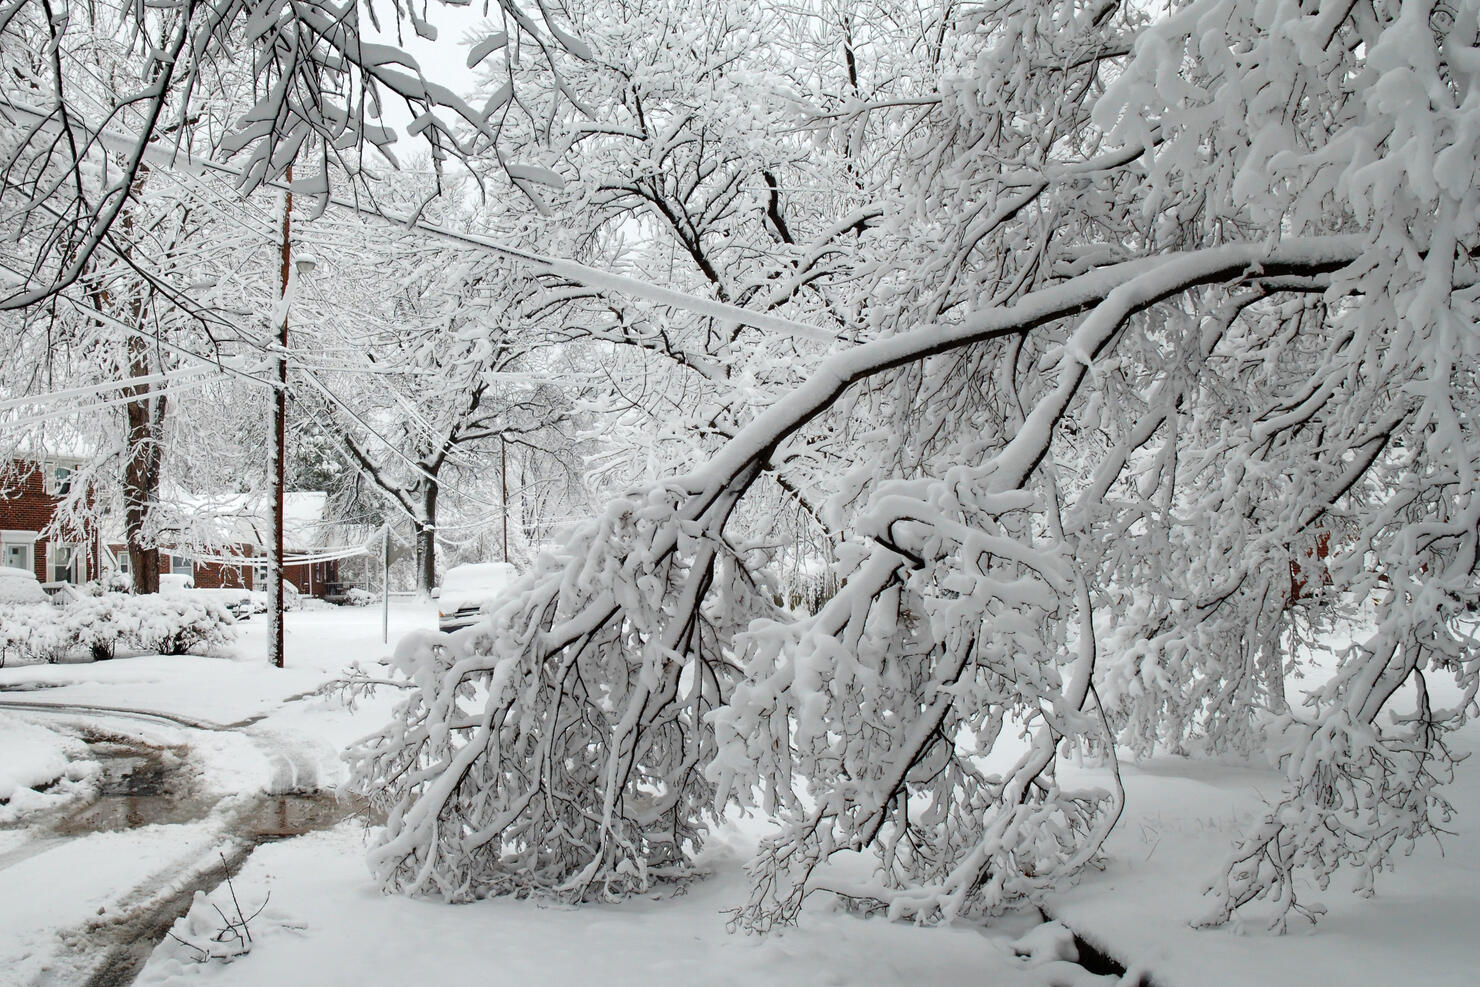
(1181, 819)
(231, 687)
(327, 923)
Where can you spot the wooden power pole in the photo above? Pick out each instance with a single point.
(279, 448)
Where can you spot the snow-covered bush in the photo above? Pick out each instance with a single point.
(32, 633)
(98, 623)
(101, 625)
(175, 624)
(356, 597)
(111, 581)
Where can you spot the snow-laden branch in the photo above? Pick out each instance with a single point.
(624, 642)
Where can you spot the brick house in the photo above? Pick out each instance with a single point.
(30, 494)
(33, 489)
(238, 532)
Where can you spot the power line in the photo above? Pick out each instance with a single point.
(594, 278)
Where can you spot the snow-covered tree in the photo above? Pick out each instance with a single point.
(424, 384)
(319, 87)
(1155, 302)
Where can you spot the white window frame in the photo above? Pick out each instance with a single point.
(115, 561)
(26, 538)
(177, 561)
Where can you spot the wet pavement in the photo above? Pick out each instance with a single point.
(143, 784)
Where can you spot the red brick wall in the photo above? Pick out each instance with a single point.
(310, 577)
(219, 575)
(26, 506)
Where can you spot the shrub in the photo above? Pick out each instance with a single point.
(97, 623)
(166, 625)
(176, 625)
(111, 581)
(33, 632)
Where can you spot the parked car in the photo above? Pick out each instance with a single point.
(175, 582)
(467, 590)
(20, 586)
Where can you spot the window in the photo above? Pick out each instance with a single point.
(58, 479)
(124, 565)
(62, 565)
(181, 566)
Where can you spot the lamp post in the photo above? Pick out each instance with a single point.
(279, 445)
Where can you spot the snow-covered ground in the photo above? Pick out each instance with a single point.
(326, 918)
(1181, 819)
(326, 923)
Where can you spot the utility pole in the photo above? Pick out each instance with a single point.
(385, 586)
(279, 448)
(503, 492)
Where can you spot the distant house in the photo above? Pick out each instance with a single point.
(233, 530)
(30, 493)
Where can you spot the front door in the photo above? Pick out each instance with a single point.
(17, 556)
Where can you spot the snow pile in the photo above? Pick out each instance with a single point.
(1049, 950)
(38, 766)
(1047, 943)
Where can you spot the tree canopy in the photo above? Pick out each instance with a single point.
(1105, 352)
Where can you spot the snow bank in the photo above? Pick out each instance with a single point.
(37, 766)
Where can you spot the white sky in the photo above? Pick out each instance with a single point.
(443, 61)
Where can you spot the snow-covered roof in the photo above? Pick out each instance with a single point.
(54, 441)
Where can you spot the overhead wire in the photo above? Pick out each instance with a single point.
(569, 270)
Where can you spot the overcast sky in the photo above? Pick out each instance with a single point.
(443, 61)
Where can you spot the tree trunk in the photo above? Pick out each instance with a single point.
(144, 452)
(426, 539)
(141, 474)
